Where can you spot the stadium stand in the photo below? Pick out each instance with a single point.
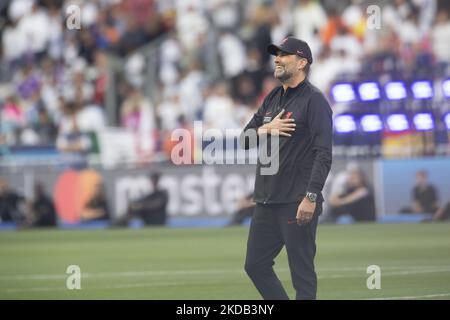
(142, 68)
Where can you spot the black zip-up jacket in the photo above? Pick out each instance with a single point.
(305, 157)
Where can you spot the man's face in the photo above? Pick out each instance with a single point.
(421, 178)
(355, 179)
(286, 65)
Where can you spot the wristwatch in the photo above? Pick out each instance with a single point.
(312, 197)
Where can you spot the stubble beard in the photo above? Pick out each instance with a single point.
(282, 74)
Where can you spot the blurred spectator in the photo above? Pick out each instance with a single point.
(261, 30)
(101, 80)
(10, 202)
(87, 45)
(28, 82)
(309, 19)
(97, 207)
(219, 109)
(191, 26)
(40, 211)
(245, 209)
(12, 55)
(91, 118)
(169, 112)
(440, 38)
(281, 21)
(424, 195)
(71, 141)
(51, 75)
(199, 43)
(133, 37)
(330, 66)
(12, 120)
(191, 87)
(171, 56)
(354, 19)
(355, 199)
(225, 14)
(34, 26)
(38, 127)
(395, 13)
(137, 112)
(246, 92)
(232, 54)
(141, 10)
(344, 41)
(247, 85)
(138, 115)
(331, 28)
(443, 213)
(55, 30)
(151, 209)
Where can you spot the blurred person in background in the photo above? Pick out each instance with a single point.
(191, 25)
(219, 108)
(246, 86)
(336, 185)
(40, 211)
(71, 142)
(169, 112)
(138, 115)
(232, 53)
(97, 207)
(10, 203)
(440, 40)
(136, 112)
(260, 36)
(151, 208)
(44, 127)
(281, 20)
(245, 208)
(309, 19)
(355, 199)
(442, 214)
(191, 87)
(424, 195)
(12, 120)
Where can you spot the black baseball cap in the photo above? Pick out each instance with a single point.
(293, 46)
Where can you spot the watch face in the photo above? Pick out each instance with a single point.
(312, 197)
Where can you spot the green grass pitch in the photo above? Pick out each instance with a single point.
(177, 264)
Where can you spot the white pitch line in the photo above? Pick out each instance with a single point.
(386, 274)
(413, 297)
(382, 268)
(202, 272)
(428, 269)
(119, 274)
(118, 286)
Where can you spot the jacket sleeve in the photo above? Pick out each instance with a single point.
(321, 126)
(249, 136)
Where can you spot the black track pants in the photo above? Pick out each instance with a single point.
(273, 226)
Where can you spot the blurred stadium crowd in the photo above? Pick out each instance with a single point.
(152, 66)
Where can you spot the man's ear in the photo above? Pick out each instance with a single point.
(301, 64)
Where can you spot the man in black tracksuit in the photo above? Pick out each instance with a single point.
(289, 201)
